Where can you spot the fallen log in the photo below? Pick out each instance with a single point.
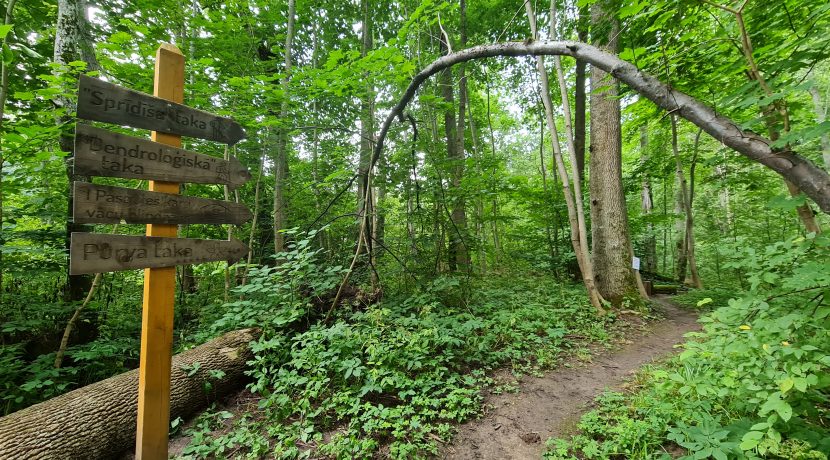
(665, 289)
(99, 420)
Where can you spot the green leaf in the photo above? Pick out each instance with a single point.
(8, 54)
(781, 407)
(751, 440)
(786, 202)
(5, 29)
(786, 385)
(705, 301)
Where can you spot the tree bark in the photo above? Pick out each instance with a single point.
(647, 206)
(686, 261)
(4, 91)
(99, 420)
(281, 158)
(481, 236)
(694, 280)
(609, 217)
(367, 115)
(459, 208)
(495, 200)
(456, 244)
(579, 97)
(821, 116)
(72, 43)
(812, 180)
(573, 195)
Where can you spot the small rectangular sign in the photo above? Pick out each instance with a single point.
(104, 204)
(635, 263)
(102, 101)
(99, 253)
(99, 152)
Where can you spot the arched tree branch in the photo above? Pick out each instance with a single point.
(812, 180)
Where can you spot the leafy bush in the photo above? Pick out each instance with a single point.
(753, 384)
(398, 374)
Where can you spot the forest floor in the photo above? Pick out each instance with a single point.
(515, 425)
(520, 414)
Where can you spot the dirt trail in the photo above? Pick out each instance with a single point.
(518, 425)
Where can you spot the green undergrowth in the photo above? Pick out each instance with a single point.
(394, 376)
(753, 384)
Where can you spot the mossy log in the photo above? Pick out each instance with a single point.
(664, 289)
(99, 420)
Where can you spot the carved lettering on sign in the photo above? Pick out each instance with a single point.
(99, 152)
(108, 204)
(102, 101)
(97, 253)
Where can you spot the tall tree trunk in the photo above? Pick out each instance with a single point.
(459, 211)
(686, 261)
(367, 116)
(647, 206)
(481, 236)
(379, 219)
(821, 116)
(573, 195)
(680, 248)
(72, 43)
(252, 234)
(579, 96)
(694, 279)
(543, 170)
(445, 80)
(4, 91)
(281, 159)
(495, 199)
(609, 218)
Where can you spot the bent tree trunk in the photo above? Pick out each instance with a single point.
(812, 180)
(99, 420)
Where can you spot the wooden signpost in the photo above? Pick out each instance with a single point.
(97, 253)
(104, 204)
(165, 165)
(99, 152)
(102, 101)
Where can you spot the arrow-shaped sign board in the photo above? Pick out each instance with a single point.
(104, 204)
(102, 101)
(99, 253)
(99, 152)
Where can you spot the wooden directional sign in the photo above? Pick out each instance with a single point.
(102, 101)
(103, 204)
(99, 253)
(99, 152)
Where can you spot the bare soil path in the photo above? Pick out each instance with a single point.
(518, 424)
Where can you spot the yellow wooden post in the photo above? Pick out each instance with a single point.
(159, 292)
